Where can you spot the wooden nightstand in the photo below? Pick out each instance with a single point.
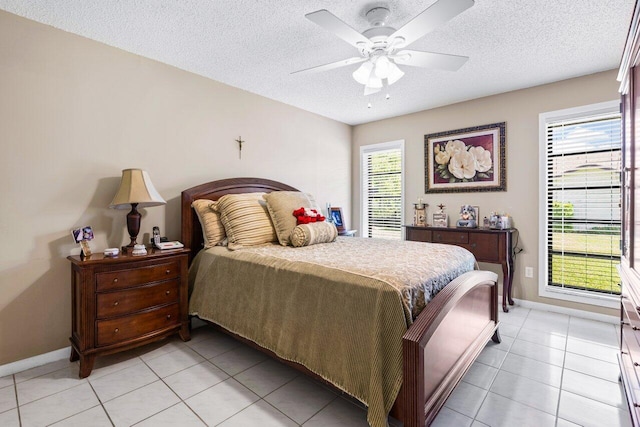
(126, 301)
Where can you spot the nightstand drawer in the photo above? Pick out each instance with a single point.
(485, 247)
(128, 327)
(136, 276)
(454, 237)
(113, 304)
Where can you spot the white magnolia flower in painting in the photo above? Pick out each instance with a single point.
(454, 147)
(462, 165)
(442, 157)
(482, 158)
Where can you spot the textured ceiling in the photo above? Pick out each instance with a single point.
(256, 44)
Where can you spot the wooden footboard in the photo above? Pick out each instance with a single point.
(443, 342)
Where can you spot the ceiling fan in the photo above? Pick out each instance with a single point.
(382, 48)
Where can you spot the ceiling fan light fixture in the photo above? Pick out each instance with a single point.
(395, 73)
(382, 67)
(362, 74)
(374, 83)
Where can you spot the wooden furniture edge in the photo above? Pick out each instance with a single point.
(455, 305)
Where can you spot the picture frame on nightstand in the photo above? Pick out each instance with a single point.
(440, 219)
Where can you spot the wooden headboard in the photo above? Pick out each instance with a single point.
(191, 230)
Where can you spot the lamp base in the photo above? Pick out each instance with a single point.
(133, 225)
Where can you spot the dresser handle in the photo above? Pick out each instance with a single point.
(473, 245)
(168, 271)
(117, 330)
(116, 303)
(438, 236)
(115, 280)
(461, 237)
(168, 316)
(167, 293)
(636, 364)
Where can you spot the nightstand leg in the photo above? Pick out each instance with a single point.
(496, 337)
(185, 335)
(86, 365)
(74, 355)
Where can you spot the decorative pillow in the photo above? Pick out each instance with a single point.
(212, 228)
(313, 233)
(245, 219)
(281, 205)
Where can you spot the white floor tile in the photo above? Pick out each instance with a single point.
(508, 330)
(265, 377)
(140, 404)
(558, 324)
(43, 369)
(175, 361)
(214, 346)
(478, 424)
(202, 333)
(589, 413)
(533, 369)
(121, 382)
(594, 331)
(538, 352)
(105, 365)
(156, 349)
(238, 359)
(466, 399)
(450, 418)
(178, 415)
(48, 384)
(480, 375)
(526, 391)
(504, 344)
(6, 381)
(498, 411)
(9, 418)
(195, 379)
(548, 339)
(94, 417)
(339, 413)
(565, 423)
(594, 388)
(58, 406)
(590, 349)
(509, 319)
(300, 399)
(259, 414)
(8, 398)
(221, 401)
(492, 357)
(590, 366)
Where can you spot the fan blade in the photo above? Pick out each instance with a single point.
(331, 66)
(430, 19)
(330, 22)
(438, 61)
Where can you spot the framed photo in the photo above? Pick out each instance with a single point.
(337, 218)
(440, 220)
(466, 160)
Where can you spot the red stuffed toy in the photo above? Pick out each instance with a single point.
(306, 216)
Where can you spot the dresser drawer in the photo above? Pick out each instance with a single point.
(485, 247)
(136, 276)
(454, 237)
(418, 235)
(128, 301)
(127, 327)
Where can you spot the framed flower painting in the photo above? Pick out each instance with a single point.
(466, 160)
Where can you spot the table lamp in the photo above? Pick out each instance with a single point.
(136, 190)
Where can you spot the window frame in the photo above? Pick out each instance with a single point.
(544, 289)
(373, 148)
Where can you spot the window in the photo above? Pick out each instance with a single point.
(580, 203)
(382, 189)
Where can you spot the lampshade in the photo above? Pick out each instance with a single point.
(382, 67)
(395, 73)
(136, 187)
(361, 75)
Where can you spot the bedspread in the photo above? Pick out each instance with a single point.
(340, 309)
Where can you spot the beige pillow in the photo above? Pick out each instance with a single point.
(212, 228)
(245, 219)
(281, 205)
(311, 234)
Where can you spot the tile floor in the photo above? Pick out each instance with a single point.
(549, 370)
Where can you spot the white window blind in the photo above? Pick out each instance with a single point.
(583, 163)
(382, 193)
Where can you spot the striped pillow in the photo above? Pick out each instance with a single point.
(313, 233)
(212, 228)
(246, 220)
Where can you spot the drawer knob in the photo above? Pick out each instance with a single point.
(636, 364)
(168, 292)
(115, 280)
(473, 245)
(168, 271)
(168, 316)
(116, 303)
(461, 237)
(117, 330)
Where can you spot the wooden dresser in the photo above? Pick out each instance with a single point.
(492, 246)
(629, 357)
(122, 302)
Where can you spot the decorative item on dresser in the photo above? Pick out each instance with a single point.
(629, 357)
(491, 246)
(122, 302)
(135, 190)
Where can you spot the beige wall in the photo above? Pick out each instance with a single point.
(74, 113)
(520, 110)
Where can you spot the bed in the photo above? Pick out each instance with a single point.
(422, 356)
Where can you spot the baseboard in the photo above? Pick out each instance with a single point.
(32, 362)
(569, 311)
